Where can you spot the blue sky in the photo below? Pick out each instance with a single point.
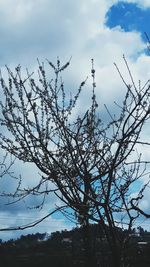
(84, 29)
(130, 17)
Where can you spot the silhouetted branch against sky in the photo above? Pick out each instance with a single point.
(77, 153)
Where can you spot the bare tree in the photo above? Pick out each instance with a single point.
(93, 164)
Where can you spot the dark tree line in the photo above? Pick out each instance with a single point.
(66, 249)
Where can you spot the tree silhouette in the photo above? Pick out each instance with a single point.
(93, 164)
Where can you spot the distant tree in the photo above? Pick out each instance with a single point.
(140, 230)
(94, 164)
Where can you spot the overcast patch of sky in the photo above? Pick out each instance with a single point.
(47, 29)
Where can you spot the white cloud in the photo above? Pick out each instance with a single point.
(141, 3)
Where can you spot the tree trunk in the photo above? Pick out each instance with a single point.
(89, 255)
(116, 256)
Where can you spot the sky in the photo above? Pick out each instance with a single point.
(130, 17)
(83, 29)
